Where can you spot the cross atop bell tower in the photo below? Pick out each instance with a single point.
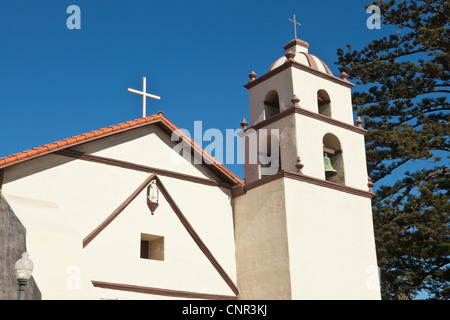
(295, 26)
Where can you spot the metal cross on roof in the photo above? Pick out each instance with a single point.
(144, 95)
(295, 26)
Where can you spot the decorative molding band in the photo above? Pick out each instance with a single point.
(161, 292)
(180, 216)
(138, 167)
(239, 191)
(268, 75)
(320, 74)
(310, 114)
(337, 123)
(295, 64)
(327, 184)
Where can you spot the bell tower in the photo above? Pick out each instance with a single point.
(303, 220)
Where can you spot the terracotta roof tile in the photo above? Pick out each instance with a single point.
(88, 135)
(21, 155)
(71, 140)
(66, 143)
(31, 152)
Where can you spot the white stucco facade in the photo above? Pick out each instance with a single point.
(61, 200)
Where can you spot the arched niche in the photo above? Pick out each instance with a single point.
(333, 150)
(271, 104)
(324, 103)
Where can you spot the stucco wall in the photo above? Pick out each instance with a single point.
(12, 245)
(296, 240)
(60, 201)
(261, 243)
(331, 243)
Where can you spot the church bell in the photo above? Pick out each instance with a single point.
(329, 170)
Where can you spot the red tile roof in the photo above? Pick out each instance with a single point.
(86, 137)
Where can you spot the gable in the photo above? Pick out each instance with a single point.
(84, 183)
(147, 146)
(158, 119)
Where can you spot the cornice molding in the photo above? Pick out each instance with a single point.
(327, 184)
(297, 65)
(337, 123)
(310, 114)
(241, 190)
(268, 75)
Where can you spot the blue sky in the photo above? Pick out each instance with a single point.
(56, 83)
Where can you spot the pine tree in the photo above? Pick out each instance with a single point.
(404, 81)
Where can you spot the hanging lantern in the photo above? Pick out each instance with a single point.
(329, 170)
(152, 196)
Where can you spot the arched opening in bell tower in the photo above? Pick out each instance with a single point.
(271, 104)
(333, 159)
(324, 103)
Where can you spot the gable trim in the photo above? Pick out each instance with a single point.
(202, 246)
(158, 119)
(138, 167)
(73, 141)
(294, 64)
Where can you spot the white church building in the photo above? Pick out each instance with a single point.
(119, 213)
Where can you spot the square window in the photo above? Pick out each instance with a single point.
(152, 247)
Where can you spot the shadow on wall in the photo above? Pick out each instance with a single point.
(12, 245)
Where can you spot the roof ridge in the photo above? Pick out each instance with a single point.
(85, 137)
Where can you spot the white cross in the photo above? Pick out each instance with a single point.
(295, 26)
(144, 95)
